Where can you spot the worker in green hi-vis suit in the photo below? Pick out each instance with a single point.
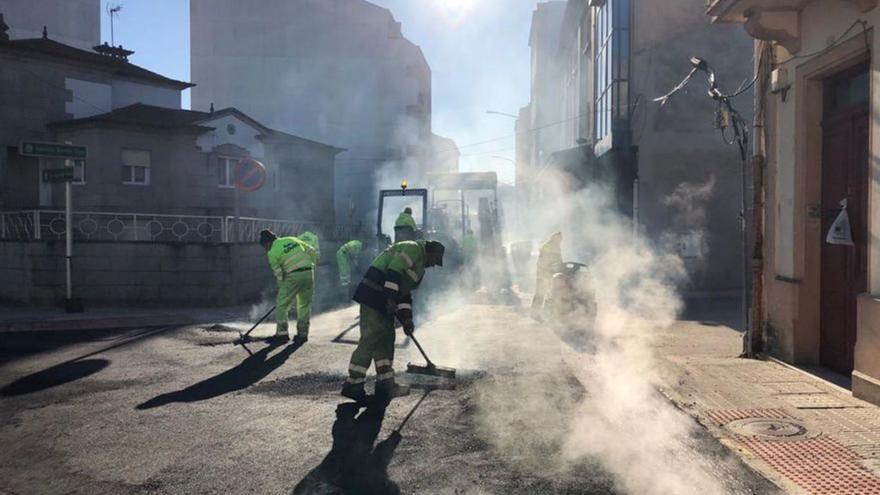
(346, 257)
(293, 263)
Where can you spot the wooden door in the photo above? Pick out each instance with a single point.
(845, 132)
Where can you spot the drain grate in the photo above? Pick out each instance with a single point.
(722, 417)
(770, 429)
(819, 465)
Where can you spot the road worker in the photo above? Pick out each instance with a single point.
(385, 293)
(347, 258)
(405, 226)
(312, 240)
(549, 260)
(293, 262)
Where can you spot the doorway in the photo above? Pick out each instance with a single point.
(844, 269)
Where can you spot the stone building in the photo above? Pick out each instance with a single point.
(668, 166)
(336, 71)
(818, 299)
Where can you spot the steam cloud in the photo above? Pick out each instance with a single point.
(567, 394)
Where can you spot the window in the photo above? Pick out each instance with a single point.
(612, 67)
(225, 169)
(135, 167)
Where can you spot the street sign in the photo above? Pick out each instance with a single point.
(53, 150)
(248, 175)
(63, 174)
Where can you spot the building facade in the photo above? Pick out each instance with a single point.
(73, 22)
(667, 166)
(817, 81)
(335, 71)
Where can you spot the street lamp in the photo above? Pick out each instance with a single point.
(493, 112)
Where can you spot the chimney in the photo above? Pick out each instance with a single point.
(4, 36)
(113, 51)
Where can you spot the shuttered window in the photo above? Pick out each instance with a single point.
(135, 167)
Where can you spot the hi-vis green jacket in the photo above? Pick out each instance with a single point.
(388, 284)
(289, 255)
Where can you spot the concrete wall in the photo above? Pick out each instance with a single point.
(336, 71)
(689, 179)
(146, 273)
(72, 22)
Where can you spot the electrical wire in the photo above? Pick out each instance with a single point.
(840, 39)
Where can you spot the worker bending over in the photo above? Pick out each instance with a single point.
(293, 262)
(346, 258)
(549, 261)
(405, 226)
(385, 293)
(311, 239)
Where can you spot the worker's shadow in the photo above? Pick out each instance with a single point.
(253, 369)
(353, 465)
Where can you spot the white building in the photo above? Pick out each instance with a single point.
(72, 22)
(336, 71)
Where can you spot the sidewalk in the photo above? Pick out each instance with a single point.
(804, 433)
(28, 319)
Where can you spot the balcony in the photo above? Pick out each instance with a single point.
(772, 20)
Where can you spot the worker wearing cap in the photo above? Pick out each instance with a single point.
(405, 226)
(346, 257)
(385, 293)
(549, 260)
(293, 262)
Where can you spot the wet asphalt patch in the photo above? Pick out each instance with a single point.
(307, 384)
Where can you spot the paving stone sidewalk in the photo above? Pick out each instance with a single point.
(803, 432)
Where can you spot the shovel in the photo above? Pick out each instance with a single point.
(242, 339)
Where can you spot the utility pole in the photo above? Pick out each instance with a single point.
(734, 130)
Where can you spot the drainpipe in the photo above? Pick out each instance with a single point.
(763, 62)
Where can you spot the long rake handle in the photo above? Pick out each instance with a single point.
(422, 351)
(259, 321)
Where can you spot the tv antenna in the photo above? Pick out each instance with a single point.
(113, 11)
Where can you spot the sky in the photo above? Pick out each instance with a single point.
(477, 49)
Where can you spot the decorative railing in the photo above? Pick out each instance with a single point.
(110, 226)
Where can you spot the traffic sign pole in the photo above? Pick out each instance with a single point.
(68, 216)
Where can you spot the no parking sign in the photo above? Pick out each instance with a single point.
(248, 175)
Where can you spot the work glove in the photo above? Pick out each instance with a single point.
(409, 327)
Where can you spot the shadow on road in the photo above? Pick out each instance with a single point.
(253, 369)
(52, 377)
(353, 465)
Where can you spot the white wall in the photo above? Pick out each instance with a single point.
(89, 98)
(245, 136)
(72, 22)
(128, 93)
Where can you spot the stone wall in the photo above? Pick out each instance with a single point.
(135, 273)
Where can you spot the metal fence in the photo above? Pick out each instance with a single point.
(107, 226)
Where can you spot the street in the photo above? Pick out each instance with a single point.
(182, 410)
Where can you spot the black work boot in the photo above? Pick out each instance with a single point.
(354, 391)
(299, 340)
(389, 389)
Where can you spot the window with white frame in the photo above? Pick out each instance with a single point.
(135, 167)
(225, 169)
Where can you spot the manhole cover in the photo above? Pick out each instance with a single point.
(770, 429)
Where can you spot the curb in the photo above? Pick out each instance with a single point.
(96, 323)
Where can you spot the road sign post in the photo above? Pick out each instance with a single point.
(248, 175)
(67, 152)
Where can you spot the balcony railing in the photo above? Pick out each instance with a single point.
(147, 227)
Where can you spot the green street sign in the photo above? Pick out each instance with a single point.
(62, 174)
(53, 150)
